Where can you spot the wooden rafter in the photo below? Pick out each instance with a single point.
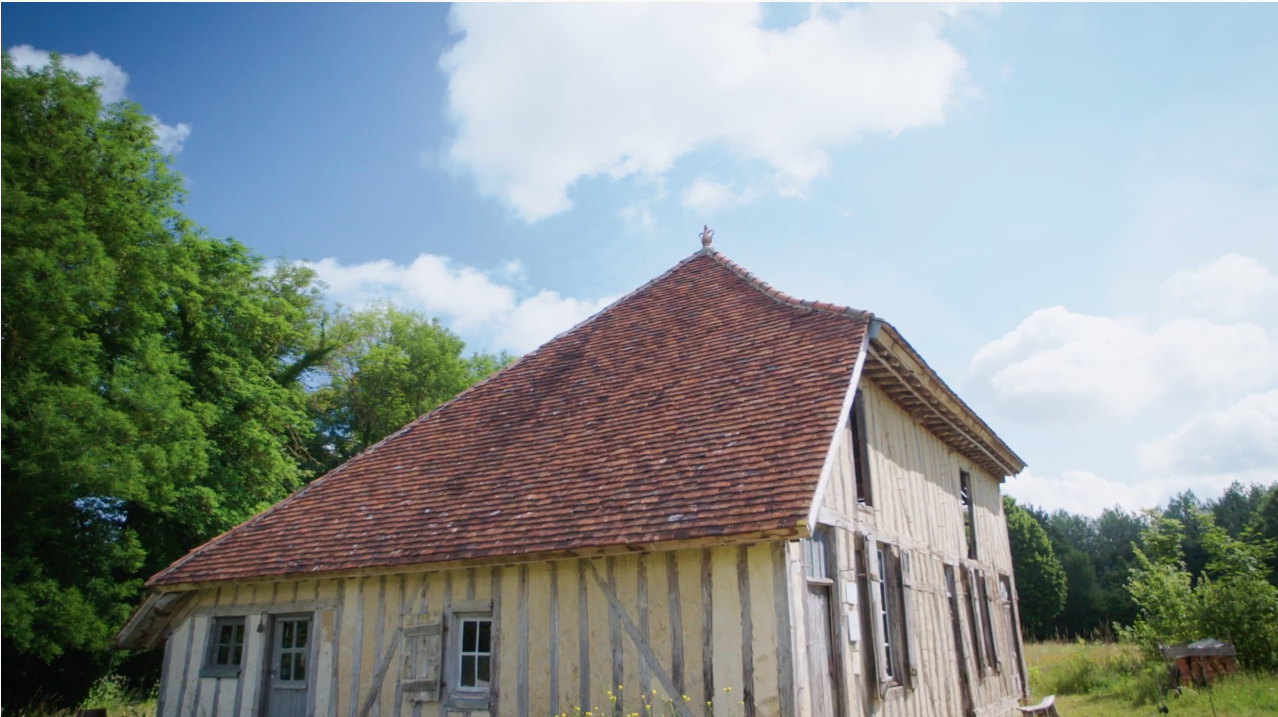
(915, 394)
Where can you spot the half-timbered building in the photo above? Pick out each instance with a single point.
(710, 499)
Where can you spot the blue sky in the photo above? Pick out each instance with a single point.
(1070, 210)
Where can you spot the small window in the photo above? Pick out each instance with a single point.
(475, 656)
(860, 455)
(969, 513)
(226, 648)
(889, 614)
(887, 625)
(816, 556)
(293, 645)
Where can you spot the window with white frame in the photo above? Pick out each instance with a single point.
(474, 653)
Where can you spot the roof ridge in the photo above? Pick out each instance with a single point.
(778, 295)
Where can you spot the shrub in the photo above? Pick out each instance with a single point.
(1232, 601)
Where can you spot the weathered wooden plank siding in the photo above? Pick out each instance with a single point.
(357, 622)
(915, 503)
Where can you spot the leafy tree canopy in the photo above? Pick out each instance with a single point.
(1040, 580)
(142, 407)
(392, 366)
(1231, 600)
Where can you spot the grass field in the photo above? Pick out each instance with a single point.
(1109, 680)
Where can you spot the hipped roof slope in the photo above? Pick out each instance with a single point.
(702, 404)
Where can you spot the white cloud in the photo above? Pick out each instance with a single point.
(1061, 365)
(543, 95)
(114, 78)
(169, 138)
(708, 196)
(472, 302)
(1082, 492)
(1085, 493)
(1232, 288)
(1242, 437)
(114, 83)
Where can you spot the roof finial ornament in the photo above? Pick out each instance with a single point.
(707, 234)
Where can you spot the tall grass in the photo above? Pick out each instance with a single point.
(109, 693)
(1098, 679)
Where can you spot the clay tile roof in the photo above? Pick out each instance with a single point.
(702, 404)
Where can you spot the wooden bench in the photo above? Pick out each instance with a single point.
(1046, 708)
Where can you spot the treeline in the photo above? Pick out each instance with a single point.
(1079, 576)
(160, 385)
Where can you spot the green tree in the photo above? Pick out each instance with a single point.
(394, 366)
(1118, 533)
(1264, 526)
(150, 388)
(1162, 588)
(1232, 600)
(1235, 509)
(1040, 580)
(1084, 610)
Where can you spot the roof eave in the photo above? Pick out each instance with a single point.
(800, 529)
(146, 625)
(898, 369)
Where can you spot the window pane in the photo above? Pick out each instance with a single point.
(469, 635)
(239, 634)
(484, 661)
(485, 637)
(299, 666)
(303, 627)
(286, 666)
(288, 634)
(223, 656)
(468, 671)
(237, 655)
(884, 615)
(225, 633)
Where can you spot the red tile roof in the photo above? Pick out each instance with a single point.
(702, 404)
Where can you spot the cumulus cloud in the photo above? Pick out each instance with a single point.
(114, 78)
(1232, 288)
(476, 304)
(1082, 492)
(1242, 437)
(170, 138)
(708, 196)
(543, 95)
(114, 82)
(1085, 493)
(1062, 365)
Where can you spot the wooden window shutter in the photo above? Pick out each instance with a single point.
(974, 617)
(991, 589)
(865, 603)
(906, 571)
(876, 606)
(423, 662)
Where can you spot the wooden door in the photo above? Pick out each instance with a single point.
(821, 658)
(818, 611)
(290, 672)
